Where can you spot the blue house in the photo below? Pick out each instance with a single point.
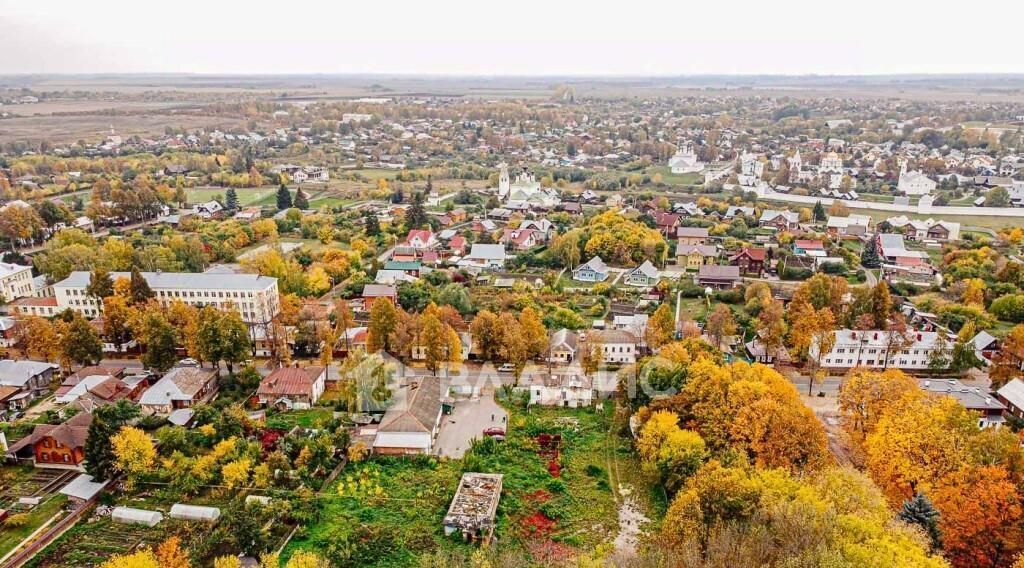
(595, 270)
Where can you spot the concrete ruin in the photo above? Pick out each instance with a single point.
(474, 506)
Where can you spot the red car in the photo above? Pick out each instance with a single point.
(496, 433)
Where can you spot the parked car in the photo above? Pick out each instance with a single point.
(496, 433)
(506, 368)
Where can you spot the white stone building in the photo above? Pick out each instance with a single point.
(255, 297)
(877, 349)
(15, 281)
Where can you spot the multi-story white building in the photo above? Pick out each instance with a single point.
(255, 297)
(15, 281)
(617, 346)
(879, 349)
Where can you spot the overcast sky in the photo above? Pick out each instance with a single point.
(525, 37)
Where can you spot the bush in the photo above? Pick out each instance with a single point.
(793, 273)
(731, 296)
(691, 290)
(1009, 308)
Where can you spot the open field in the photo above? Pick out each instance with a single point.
(72, 128)
(389, 511)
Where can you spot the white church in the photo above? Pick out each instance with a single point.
(525, 191)
(914, 182)
(685, 160)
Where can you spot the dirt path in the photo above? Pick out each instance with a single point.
(631, 517)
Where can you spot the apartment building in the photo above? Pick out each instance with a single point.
(878, 349)
(15, 281)
(255, 297)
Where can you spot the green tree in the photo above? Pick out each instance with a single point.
(416, 215)
(869, 256)
(140, 290)
(372, 224)
(100, 461)
(997, 197)
(160, 339)
(100, 285)
(231, 199)
(919, 511)
(79, 342)
(819, 212)
(284, 198)
(235, 344)
(208, 335)
(964, 356)
(301, 201)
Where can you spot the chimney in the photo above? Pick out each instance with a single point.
(876, 336)
(919, 337)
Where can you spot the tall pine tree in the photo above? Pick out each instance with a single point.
(231, 199)
(416, 215)
(284, 198)
(139, 288)
(301, 201)
(819, 212)
(869, 256)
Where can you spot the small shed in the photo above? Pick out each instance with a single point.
(130, 516)
(194, 512)
(82, 488)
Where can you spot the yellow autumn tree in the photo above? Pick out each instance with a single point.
(171, 555)
(865, 396)
(141, 559)
(918, 442)
(306, 559)
(227, 562)
(236, 473)
(751, 408)
(317, 281)
(134, 452)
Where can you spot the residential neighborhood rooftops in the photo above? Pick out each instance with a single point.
(180, 383)
(289, 381)
(415, 407)
(973, 398)
(692, 232)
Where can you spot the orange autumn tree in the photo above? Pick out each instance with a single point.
(921, 440)
(980, 517)
(865, 396)
(751, 408)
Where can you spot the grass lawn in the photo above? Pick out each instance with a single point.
(675, 179)
(388, 511)
(693, 308)
(325, 201)
(11, 537)
(312, 418)
(246, 195)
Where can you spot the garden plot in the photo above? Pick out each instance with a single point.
(92, 541)
(35, 482)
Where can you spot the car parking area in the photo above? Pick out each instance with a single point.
(468, 420)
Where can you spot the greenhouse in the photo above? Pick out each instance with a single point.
(194, 512)
(130, 516)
